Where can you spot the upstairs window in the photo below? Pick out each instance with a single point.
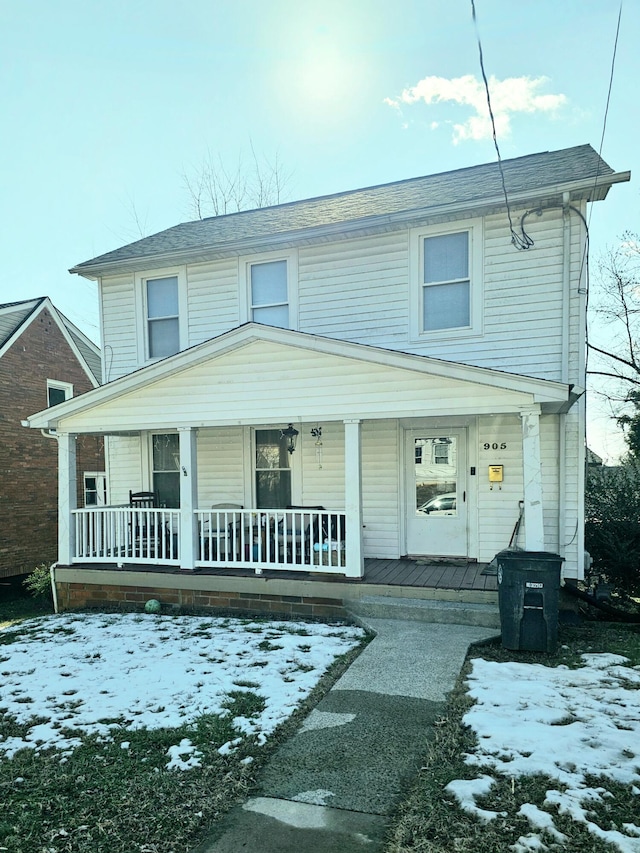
(447, 276)
(269, 294)
(446, 283)
(163, 325)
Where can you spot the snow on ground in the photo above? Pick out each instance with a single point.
(88, 673)
(564, 723)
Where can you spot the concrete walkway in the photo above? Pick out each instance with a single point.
(331, 787)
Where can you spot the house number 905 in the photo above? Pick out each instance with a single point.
(495, 445)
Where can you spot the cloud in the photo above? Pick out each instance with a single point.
(512, 95)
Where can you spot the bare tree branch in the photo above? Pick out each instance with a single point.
(214, 189)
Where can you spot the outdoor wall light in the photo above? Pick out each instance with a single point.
(291, 434)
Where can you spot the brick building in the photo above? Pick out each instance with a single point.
(44, 359)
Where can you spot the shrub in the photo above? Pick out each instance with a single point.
(612, 524)
(38, 583)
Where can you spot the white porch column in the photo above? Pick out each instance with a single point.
(353, 498)
(188, 496)
(67, 498)
(532, 471)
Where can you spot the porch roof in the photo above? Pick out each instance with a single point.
(260, 374)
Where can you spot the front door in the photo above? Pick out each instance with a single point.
(436, 492)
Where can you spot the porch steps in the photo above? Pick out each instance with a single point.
(423, 610)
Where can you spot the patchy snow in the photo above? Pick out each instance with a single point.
(74, 674)
(567, 724)
(184, 756)
(466, 791)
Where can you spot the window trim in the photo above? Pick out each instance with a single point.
(101, 479)
(475, 229)
(141, 280)
(244, 277)
(151, 468)
(54, 384)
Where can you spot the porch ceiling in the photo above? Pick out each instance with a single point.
(262, 375)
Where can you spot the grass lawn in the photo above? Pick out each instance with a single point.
(559, 806)
(134, 733)
(135, 758)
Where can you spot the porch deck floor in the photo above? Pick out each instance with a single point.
(417, 573)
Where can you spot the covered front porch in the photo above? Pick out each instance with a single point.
(351, 497)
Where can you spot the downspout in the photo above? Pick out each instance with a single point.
(52, 575)
(564, 372)
(583, 285)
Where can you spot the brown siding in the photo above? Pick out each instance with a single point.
(29, 460)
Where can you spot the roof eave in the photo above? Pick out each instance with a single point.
(596, 189)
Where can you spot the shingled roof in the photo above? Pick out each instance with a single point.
(16, 316)
(530, 174)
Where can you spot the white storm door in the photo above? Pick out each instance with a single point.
(436, 500)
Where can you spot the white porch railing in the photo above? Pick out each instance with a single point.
(127, 534)
(300, 539)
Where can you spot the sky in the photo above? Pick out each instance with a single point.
(107, 107)
(530, 719)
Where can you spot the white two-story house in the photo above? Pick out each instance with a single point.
(390, 372)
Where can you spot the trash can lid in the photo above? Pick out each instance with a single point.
(518, 554)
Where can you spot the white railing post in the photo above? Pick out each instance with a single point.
(353, 498)
(188, 497)
(67, 498)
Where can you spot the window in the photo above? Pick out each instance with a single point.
(446, 283)
(268, 291)
(163, 325)
(166, 469)
(58, 392)
(270, 294)
(95, 489)
(447, 278)
(273, 475)
(441, 453)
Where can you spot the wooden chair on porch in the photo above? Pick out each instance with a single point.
(146, 538)
(144, 500)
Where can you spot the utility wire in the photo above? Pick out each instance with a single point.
(585, 254)
(520, 241)
(606, 109)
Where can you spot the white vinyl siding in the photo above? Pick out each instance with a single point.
(221, 472)
(498, 507)
(323, 466)
(124, 468)
(359, 290)
(214, 303)
(356, 290)
(118, 311)
(381, 489)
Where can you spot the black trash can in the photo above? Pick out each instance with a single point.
(528, 593)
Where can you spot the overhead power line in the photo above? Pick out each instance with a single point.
(522, 240)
